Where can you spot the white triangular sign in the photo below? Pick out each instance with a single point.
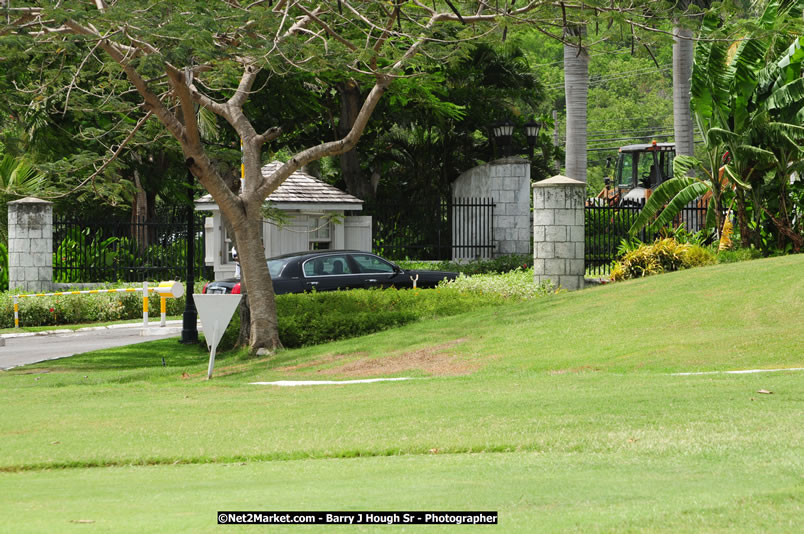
(215, 312)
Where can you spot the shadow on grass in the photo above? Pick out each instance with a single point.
(152, 354)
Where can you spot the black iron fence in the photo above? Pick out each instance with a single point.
(434, 229)
(127, 251)
(607, 226)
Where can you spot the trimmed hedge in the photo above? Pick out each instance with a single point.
(314, 318)
(499, 265)
(79, 309)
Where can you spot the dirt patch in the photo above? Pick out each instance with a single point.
(436, 361)
(332, 358)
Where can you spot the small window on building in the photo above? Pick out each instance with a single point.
(226, 253)
(319, 232)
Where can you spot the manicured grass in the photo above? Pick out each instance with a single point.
(561, 413)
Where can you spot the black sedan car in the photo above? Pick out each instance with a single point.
(328, 270)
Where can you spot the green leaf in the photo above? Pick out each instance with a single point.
(682, 164)
(666, 191)
(684, 197)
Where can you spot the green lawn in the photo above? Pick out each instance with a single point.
(562, 413)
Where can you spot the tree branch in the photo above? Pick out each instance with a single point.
(180, 83)
(328, 29)
(269, 135)
(243, 90)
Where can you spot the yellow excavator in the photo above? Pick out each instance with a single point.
(639, 169)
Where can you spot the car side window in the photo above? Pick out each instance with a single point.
(372, 264)
(327, 266)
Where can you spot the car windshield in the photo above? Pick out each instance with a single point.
(275, 266)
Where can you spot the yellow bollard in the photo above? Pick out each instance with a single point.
(145, 304)
(163, 310)
(16, 312)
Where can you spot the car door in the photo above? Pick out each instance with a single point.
(375, 271)
(329, 272)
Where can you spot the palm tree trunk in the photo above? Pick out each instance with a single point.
(576, 88)
(683, 52)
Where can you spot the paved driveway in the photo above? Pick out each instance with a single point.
(22, 349)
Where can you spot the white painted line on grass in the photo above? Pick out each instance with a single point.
(743, 372)
(325, 382)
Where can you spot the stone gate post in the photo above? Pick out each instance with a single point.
(558, 231)
(30, 244)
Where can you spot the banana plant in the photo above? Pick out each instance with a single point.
(748, 99)
(671, 196)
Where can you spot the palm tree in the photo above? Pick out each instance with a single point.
(18, 178)
(683, 53)
(576, 88)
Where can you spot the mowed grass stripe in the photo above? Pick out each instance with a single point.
(574, 412)
(532, 492)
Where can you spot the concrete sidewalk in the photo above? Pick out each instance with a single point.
(30, 347)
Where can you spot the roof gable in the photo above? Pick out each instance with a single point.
(302, 189)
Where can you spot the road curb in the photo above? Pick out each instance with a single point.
(170, 327)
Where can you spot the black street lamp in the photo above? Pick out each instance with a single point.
(532, 133)
(503, 131)
(189, 330)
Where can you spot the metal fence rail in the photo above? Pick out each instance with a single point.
(434, 230)
(128, 251)
(472, 228)
(607, 226)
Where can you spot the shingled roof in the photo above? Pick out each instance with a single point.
(300, 191)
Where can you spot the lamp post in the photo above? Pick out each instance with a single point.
(502, 132)
(189, 330)
(532, 133)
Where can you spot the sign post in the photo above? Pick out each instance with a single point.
(215, 312)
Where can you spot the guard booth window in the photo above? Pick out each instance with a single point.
(319, 232)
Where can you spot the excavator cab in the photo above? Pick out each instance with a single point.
(639, 170)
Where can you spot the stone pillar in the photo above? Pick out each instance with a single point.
(558, 232)
(30, 244)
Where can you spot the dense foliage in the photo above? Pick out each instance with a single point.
(664, 255)
(82, 309)
(500, 264)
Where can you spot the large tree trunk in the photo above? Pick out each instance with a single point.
(683, 52)
(139, 215)
(256, 280)
(351, 103)
(576, 88)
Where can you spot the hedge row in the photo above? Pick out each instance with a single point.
(79, 309)
(499, 265)
(314, 318)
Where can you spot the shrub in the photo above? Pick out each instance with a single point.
(698, 256)
(3, 267)
(740, 254)
(664, 255)
(516, 284)
(499, 265)
(313, 318)
(86, 308)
